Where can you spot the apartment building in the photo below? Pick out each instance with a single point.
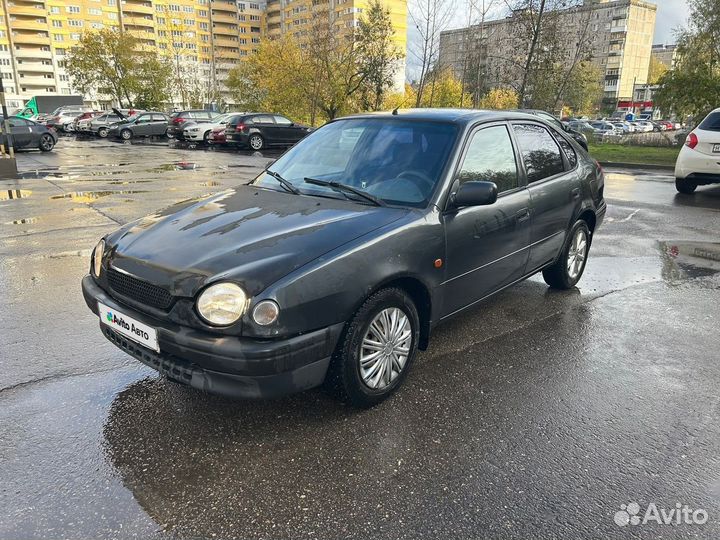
(205, 38)
(665, 54)
(618, 36)
(296, 17)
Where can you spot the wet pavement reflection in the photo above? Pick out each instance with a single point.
(533, 415)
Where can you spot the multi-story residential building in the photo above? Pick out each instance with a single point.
(617, 35)
(296, 17)
(665, 54)
(205, 38)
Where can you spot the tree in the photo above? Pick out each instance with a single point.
(499, 98)
(692, 87)
(583, 91)
(656, 71)
(378, 54)
(112, 62)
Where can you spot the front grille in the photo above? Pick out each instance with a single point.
(138, 290)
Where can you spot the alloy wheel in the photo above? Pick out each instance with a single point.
(256, 142)
(46, 143)
(577, 254)
(385, 348)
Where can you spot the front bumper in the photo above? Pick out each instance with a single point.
(226, 365)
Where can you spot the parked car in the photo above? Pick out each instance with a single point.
(643, 126)
(100, 125)
(83, 120)
(668, 125)
(146, 124)
(179, 120)
(63, 121)
(579, 137)
(605, 128)
(259, 130)
(581, 125)
(336, 262)
(625, 127)
(217, 136)
(29, 134)
(698, 163)
(69, 109)
(201, 131)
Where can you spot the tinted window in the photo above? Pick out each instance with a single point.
(143, 119)
(263, 120)
(569, 151)
(282, 121)
(18, 122)
(550, 119)
(158, 118)
(540, 152)
(711, 123)
(490, 157)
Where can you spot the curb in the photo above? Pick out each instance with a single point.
(638, 166)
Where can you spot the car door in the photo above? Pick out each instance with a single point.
(159, 124)
(21, 132)
(486, 246)
(142, 126)
(288, 133)
(268, 129)
(554, 187)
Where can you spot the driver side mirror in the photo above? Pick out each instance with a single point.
(474, 193)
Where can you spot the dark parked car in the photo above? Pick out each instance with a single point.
(29, 134)
(146, 124)
(179, 120)
(579, 137)
(336, 262)
(259, 130)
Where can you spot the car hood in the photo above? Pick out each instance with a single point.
(250, 235)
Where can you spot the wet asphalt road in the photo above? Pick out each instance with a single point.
(535, 415)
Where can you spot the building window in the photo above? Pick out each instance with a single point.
(73, 9)
(75, 22)
(57, 24)
(58, 37)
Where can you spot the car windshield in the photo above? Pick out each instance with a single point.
(395, 160)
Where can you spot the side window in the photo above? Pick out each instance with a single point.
(17, 122)
(569, 151)
(264, 120)
(490, 157)
(144, 119)
(540, 152)
(282, 121)
(158, 118)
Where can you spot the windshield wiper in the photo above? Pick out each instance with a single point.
(284, 183)
(337, 186)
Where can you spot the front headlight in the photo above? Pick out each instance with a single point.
(97, 258)
(222, 304)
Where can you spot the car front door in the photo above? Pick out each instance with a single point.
(486, 246)
(288, 132)
(554, 187)
(142, 125)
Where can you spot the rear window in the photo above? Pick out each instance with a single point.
(711, 123)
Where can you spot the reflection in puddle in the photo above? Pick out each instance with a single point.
(212, 183)
(87, 196)
(24, 221)
(11, 194)
(684, 260)
(177, 166)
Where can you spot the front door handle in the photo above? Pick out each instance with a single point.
(523, 215)
(575, 193)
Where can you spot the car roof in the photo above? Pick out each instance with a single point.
(455, 116)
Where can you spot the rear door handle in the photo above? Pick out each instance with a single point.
(523, 215)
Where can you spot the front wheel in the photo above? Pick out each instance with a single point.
(376, 350)
(569, 268)
(126, 134)
(46, 143)
(256, 142)
(685, 186)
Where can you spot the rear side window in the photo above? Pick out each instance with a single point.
(540, 152)
(490, 157)
(158, 118)
(282, 121)
(569, 152)
(264, 120)
(711, 123)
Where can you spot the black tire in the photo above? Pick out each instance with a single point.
(126, 134)
(206, 136)
(168, 134)
(102, 132)
(685, 186)
(558, 275)
(46, 143)
(259, 144)
(344, 378)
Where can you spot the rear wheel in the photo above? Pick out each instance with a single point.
(683, 185)
(206, 136)
(46, 142)
(376, 349)
(102, 132)
(126, 134)
(569, 268)
(256, 142)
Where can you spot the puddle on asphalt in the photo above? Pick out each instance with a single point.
(687, 260)
(176, 166)
(87, 196)
(126, 182)
(212, 183)
(24, 221)
(12, 194)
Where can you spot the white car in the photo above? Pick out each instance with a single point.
(643, 126)
(699, 161)
(201, 132)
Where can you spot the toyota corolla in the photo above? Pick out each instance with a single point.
(334, 264)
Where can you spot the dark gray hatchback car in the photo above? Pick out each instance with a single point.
(29, 134)
(336, 262)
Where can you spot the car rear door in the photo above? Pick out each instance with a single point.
(554, 186)
(486, 246)
(159, 124)
(268, 129)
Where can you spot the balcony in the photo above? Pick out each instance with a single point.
(227, 30)
(37, 10)
(224, 6)
(137, 7)
(31, 39)
(225, 42)
(622, 29)
(144, 36)
(138, 21)
(273, 19)
(32, 53)
(36, 80)
(34, 67)
(224, 17)
(28, 24)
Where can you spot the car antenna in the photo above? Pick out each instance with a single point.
(395, 110)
